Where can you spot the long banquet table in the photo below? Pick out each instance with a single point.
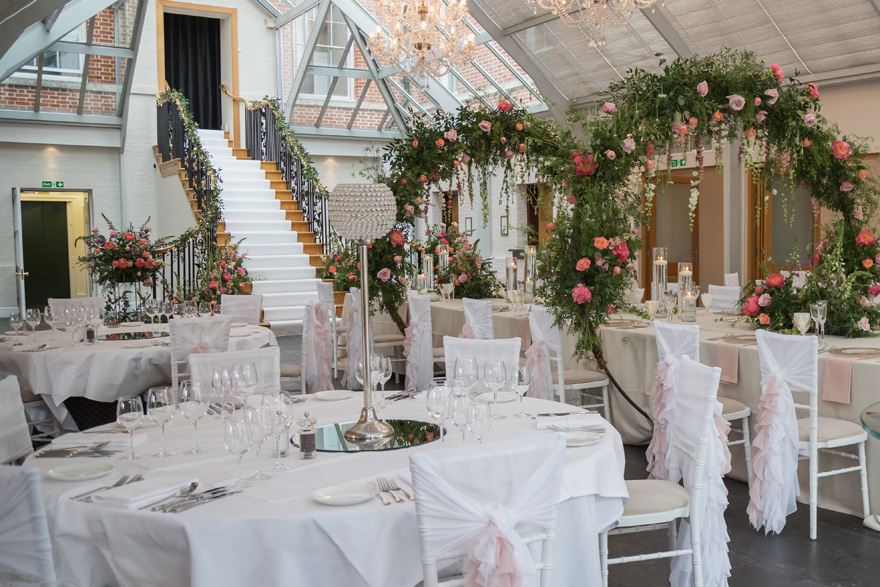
(274, 533)
(632, 359)
(104, 371)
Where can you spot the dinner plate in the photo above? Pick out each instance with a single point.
(346, 494)
(79, 471)
(239, 324)
(333, 395)
(581, 438)
(503, 397)
(238, 333)
(856, 352)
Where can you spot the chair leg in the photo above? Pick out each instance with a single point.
(866, 506)
(603, 557)
(672, 534)
(606, 402)
(814, 492)
(747, 449)
(697, 555)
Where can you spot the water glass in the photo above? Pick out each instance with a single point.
(465, 375)
(479, 419)
(281, 410)
(260, 420)
(16, 321)
(522, 384)
(32, 317)
(494, 376)
(237, 440)
(160, 408)
(437, 402)
(193, 406)
(50, 318)
(130, 415)
(460, 408)
(151, 308)
(204, 309)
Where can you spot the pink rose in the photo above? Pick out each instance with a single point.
(95, 230)
(601, 263)
(465, 159)
(621, 250)
(846, 187)
(505, 106)
(331, 269)
(737, 102)
(110, 245)
(649, 165)
(241, 271)
(764, 300)
(409, 208)
(384, 274)
(451, 134)
(551, 226)
(874, 290)
(148, 282)
(841, 149)
(774, 95)
(227, 277)
(760, 116)
(600, 242)
(463, 278)
(584, 264)
(703, 88)
(485, 126)
(774, 280)
(865, 324)
(616, 270)
(123, 264)
(764, 319)
(810, 119)
(114, 233)
(865, 238)
(609, 108)
(610, 155)
(508, 154)
(629, 145)
(128, 236)
(865, 302)
(814, 90)
(581, 294)
(675, 125)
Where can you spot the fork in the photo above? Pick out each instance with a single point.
(392, 484)
(122, 481)
(135, 479)
(379, 493)
(384, 485)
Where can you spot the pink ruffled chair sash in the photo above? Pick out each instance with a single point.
(323, 350)
(537, 360)
(466, 331)
(491, 561)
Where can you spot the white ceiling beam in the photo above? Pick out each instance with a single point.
(125, 95)
(876, 4)
(340, 72)
(265, 5)
(668, 32)
(85, 49)
(308, 50)
(344, 133)
(558, 103)
(300, 9)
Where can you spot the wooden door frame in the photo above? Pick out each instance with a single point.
(649, 232)
(205, 11)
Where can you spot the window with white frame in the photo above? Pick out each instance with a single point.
(332, 41)
(59, 65)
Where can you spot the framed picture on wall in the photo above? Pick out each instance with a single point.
(468, 224)
(504, 227)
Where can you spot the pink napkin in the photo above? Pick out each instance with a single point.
(524, 333)
(837, 378)
(727, 357)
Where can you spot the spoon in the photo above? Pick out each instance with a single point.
(185, 491)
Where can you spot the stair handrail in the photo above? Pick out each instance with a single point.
(183, 261)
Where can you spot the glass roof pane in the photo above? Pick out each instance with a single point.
(510, 12)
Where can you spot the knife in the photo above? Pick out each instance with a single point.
(201, 501)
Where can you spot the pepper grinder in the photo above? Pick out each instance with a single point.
(307, 436)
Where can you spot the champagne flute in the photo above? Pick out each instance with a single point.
(823, 314)
(32, 317)
(160, 408)
(465, 374)
(437, 402)
(479, 419)
(522, 384)
(494, 376)
(193, 406)
(50, 318)
(16, 321)
(130, 415)
(802, 322)
(260, 420)
(237, 440)
(282, 416)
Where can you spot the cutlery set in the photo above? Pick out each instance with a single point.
(598, 429)
(390, 486)
(93, 450)
(124, 480)
(188, 500)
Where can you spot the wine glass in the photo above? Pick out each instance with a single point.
(194, 405)
(282, 416)
(160, 408)
(177, 310)
(16, 321)
(130, 415)
(167, 309)
(465, 374)
(823, 314)
(189, 309)
(437, 402)
(521, 384)
(249, 378)
(50, 318)
(237, 440)
(204, 309)
(802, 322)
(384, 377)
(494, 376)
(707, 300)
(215, 311)
(479, 419)
(260, 419)
(814, 314)
(151, 308)
(32, 317)
(460, 407)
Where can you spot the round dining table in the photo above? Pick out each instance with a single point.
(51, 366)
(274, 532)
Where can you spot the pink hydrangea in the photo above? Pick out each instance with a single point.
(581, 294)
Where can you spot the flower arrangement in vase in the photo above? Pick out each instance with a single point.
(467, 271)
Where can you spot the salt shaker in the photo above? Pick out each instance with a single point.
(307, 436)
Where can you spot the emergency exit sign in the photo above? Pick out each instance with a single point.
(53, 184)
(675, 162)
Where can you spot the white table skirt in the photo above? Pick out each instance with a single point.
(104, 371)
(274, 533)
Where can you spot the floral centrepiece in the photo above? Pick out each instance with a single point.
(468, 272)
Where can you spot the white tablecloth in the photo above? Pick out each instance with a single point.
(275, 534)
(104, 371)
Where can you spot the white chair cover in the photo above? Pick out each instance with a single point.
(731, 279)
(25, 547)
(418, 345)
(15, 439)
(318, 346)
(673, 342)
(267, 361)
(546, 337)
(327, 302)
(725, 298)
(477, 319)
(485, 497)
(58, 305)
(502, 349)
(787, 363)
(354, 341)
(701, 446)
(198, 335)
(245, 308)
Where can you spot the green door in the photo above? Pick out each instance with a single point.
(46, 256)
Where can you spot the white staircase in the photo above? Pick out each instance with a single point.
(253, 213)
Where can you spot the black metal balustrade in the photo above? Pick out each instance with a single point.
(265, 143)
(181, 264)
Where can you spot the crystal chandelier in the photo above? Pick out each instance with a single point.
(593, 17)
(422, 38)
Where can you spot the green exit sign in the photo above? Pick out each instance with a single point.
(53, 184)
(679, 162)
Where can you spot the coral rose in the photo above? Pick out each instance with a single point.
(814, 90)
(863, 174)
(128, 236)
(440, 142)
(581, 294)
(806, 142)
(865, 238)
(600, 242)
(868, 263)
(551, 226)
(331, 269)
(774, 280)
(398, 258)
(110, 245)
(584, 264)
(519, 126)
(749, 132)
(611, 155)
(396, 237)
(415, 144)
(764, 319)
(717, 116)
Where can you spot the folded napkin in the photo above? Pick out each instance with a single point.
(135, 495)
(571, 421)
(727, 357)
(116, 441)
(837, 378)
(138, 344)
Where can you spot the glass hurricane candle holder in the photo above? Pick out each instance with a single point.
(685, 282)
(660, 258)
